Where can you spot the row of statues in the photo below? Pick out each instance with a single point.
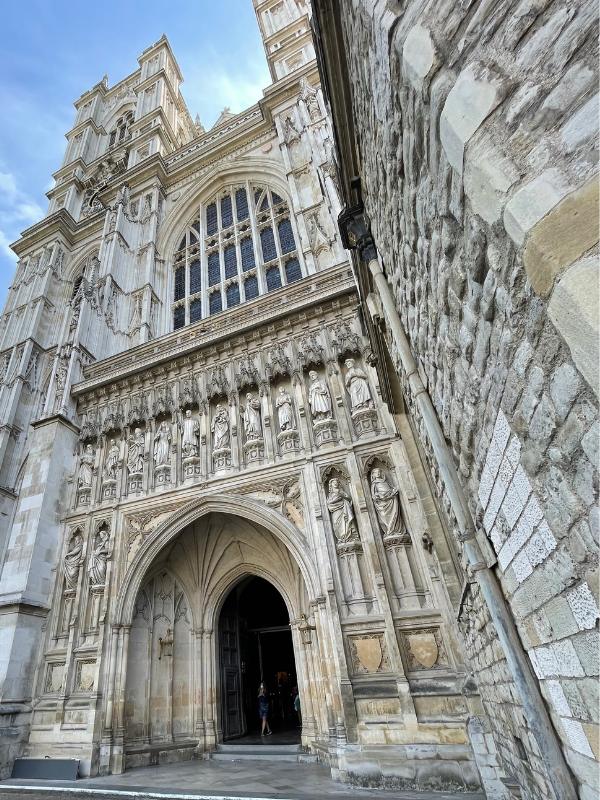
(321, 409)
(97, 562)
(386, 501)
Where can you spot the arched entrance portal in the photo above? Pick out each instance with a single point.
(255, 646)
(216, 567)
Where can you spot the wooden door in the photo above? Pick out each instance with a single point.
(231, 675)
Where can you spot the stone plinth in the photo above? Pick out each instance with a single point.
(84, 495)
(162, 476)
(191, 467)
(289, 441)
(135, 483)
(221, 458)
(365, 421)
(254, 450)
(109, 489)
(325, 431)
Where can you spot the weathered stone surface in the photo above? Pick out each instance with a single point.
(575, 310)
(481, 203)
(562, 236)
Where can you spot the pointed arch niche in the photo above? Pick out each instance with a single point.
(172, 669)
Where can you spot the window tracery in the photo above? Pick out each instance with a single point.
(240, 244)
(121, 131)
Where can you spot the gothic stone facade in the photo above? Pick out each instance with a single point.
(189, 398)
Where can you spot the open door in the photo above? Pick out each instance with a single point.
(232, 711)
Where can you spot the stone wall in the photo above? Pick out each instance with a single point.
(477, 132)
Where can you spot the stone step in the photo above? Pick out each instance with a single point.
(251, 748)
(262, 752)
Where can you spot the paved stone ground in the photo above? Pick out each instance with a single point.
(210, 779)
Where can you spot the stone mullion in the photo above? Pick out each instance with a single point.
(258, 261)
(277, 244)
(186, 277)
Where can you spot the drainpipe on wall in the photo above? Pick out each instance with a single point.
(355, 230)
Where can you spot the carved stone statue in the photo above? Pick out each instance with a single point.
(191, 431)
(318, 397)
(285, 411)
(220, 428)
(357, 386)
(341, 509)
(386, 502)
(72, 561)
(162, 443)
(135, 455)
(252, 426)
(113, 459)
(99, 557)
(86, 467)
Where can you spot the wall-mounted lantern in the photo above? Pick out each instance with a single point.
(305, 628)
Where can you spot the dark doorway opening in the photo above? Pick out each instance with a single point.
(255, 644)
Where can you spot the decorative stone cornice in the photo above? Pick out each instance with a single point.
(305, 296)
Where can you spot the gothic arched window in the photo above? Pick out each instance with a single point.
(120, 132)
(239, 245)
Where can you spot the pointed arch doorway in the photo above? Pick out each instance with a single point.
(255, 646)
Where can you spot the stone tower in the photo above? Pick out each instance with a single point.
(191, 406)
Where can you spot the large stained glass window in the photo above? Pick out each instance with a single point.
(238, 246)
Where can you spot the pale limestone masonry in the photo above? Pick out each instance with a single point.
(180, 283)
(477, 130)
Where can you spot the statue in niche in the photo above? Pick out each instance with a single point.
(113, 458)
(341, 509)
(220, 428)
(387, 503)
(86, 467)
(135, 456)
(162, 444)
(191, 431)
(318, 397)
(72, 561)
(285, 411)
(357, 386)
(99, 557)
(251, 416)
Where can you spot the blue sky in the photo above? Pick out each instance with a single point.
(53, 51)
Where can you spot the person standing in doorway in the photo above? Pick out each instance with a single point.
(263, 710)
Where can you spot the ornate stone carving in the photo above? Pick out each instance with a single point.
(278, 364)
(221, 438)
(99, 556)
(163, 401)
(424, 649)
(319, 400)
(344, 340)
(246, 375)
(310, 350)
(288, 438)
(386, 500)
(54, 677)
(251, 418)
(310, 96)
(364, 416)
(161, 454)
(318, 238)
(190, 428)
(86, 467)
(341, 510)
(73, 560)
(368, 653)
(85, 675)
(218, 385)
(136, 445)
